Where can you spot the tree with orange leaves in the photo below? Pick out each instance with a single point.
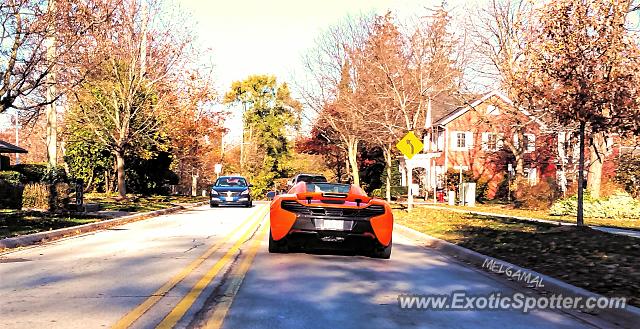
(584, 63)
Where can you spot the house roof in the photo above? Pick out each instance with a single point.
(460, 110)
(441, 107)
(10, 148)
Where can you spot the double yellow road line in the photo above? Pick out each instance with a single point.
(183, 306)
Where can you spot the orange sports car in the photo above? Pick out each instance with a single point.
(319, 215)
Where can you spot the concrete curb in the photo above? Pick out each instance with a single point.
(628, 317)
(31, 239)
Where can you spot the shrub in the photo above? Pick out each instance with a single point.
(628, 174)
(40, 173)
(482, 187)
(11, 177)
(10, 195)
(539, 196)
(396, 191)
(46, 196)
(619, 205)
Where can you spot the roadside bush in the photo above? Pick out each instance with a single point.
(40, 173)
(482, 187)
(619, 205)
(10, 195)
(539, 196)
(396, 191)
(11, 177)
(628, 174)
(45, 196)
(453, 178)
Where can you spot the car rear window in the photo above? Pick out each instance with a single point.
(231, 181)
(328, 187)
(311, 179)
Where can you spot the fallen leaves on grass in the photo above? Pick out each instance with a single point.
(597, 261)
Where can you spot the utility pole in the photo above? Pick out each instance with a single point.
(17, 136)
(244, 109)
(50, 112)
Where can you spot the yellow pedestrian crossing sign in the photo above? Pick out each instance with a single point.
(410, 145)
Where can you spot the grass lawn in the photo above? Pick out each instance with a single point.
(632, 223)
(600, 262)
(135, 203)
(17, 222)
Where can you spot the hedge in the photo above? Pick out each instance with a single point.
(10, 195)
(45, 196)
(11, 177)
(40, 172)
(619, 205)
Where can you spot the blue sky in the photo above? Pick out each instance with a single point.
(270, 36)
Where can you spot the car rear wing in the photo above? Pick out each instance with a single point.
(311, 196)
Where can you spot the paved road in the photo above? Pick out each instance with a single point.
(196, 269)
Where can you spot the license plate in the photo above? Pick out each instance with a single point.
(229, 198)
(335, 225)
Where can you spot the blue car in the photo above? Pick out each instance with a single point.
(231, 190)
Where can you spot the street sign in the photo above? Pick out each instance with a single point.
(410, 145)
(217, 168)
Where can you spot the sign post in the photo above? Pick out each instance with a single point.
(218, 169)
(79, 194)
(410, 145)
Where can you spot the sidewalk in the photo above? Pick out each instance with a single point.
(612, 230)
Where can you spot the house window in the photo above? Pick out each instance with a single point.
(461, 140)
(491, 141)
(529, 142)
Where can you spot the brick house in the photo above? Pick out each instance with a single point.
(478, 137)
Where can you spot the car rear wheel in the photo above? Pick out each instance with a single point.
(277, 246)
(382, 252)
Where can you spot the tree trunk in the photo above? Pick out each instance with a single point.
(580, 214)
(353, 160)
(387, 158)
(347, 167)
(107, 182)
(194, 184)
(519, 169)
(51, 113)
(122, 189)
(597, 151)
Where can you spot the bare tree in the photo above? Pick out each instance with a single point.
(29, 30)
(331, 86)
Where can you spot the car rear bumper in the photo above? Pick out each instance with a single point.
(355, 234)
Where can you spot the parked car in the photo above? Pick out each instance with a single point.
(309, 178)
(231, 190)
(326, 215)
